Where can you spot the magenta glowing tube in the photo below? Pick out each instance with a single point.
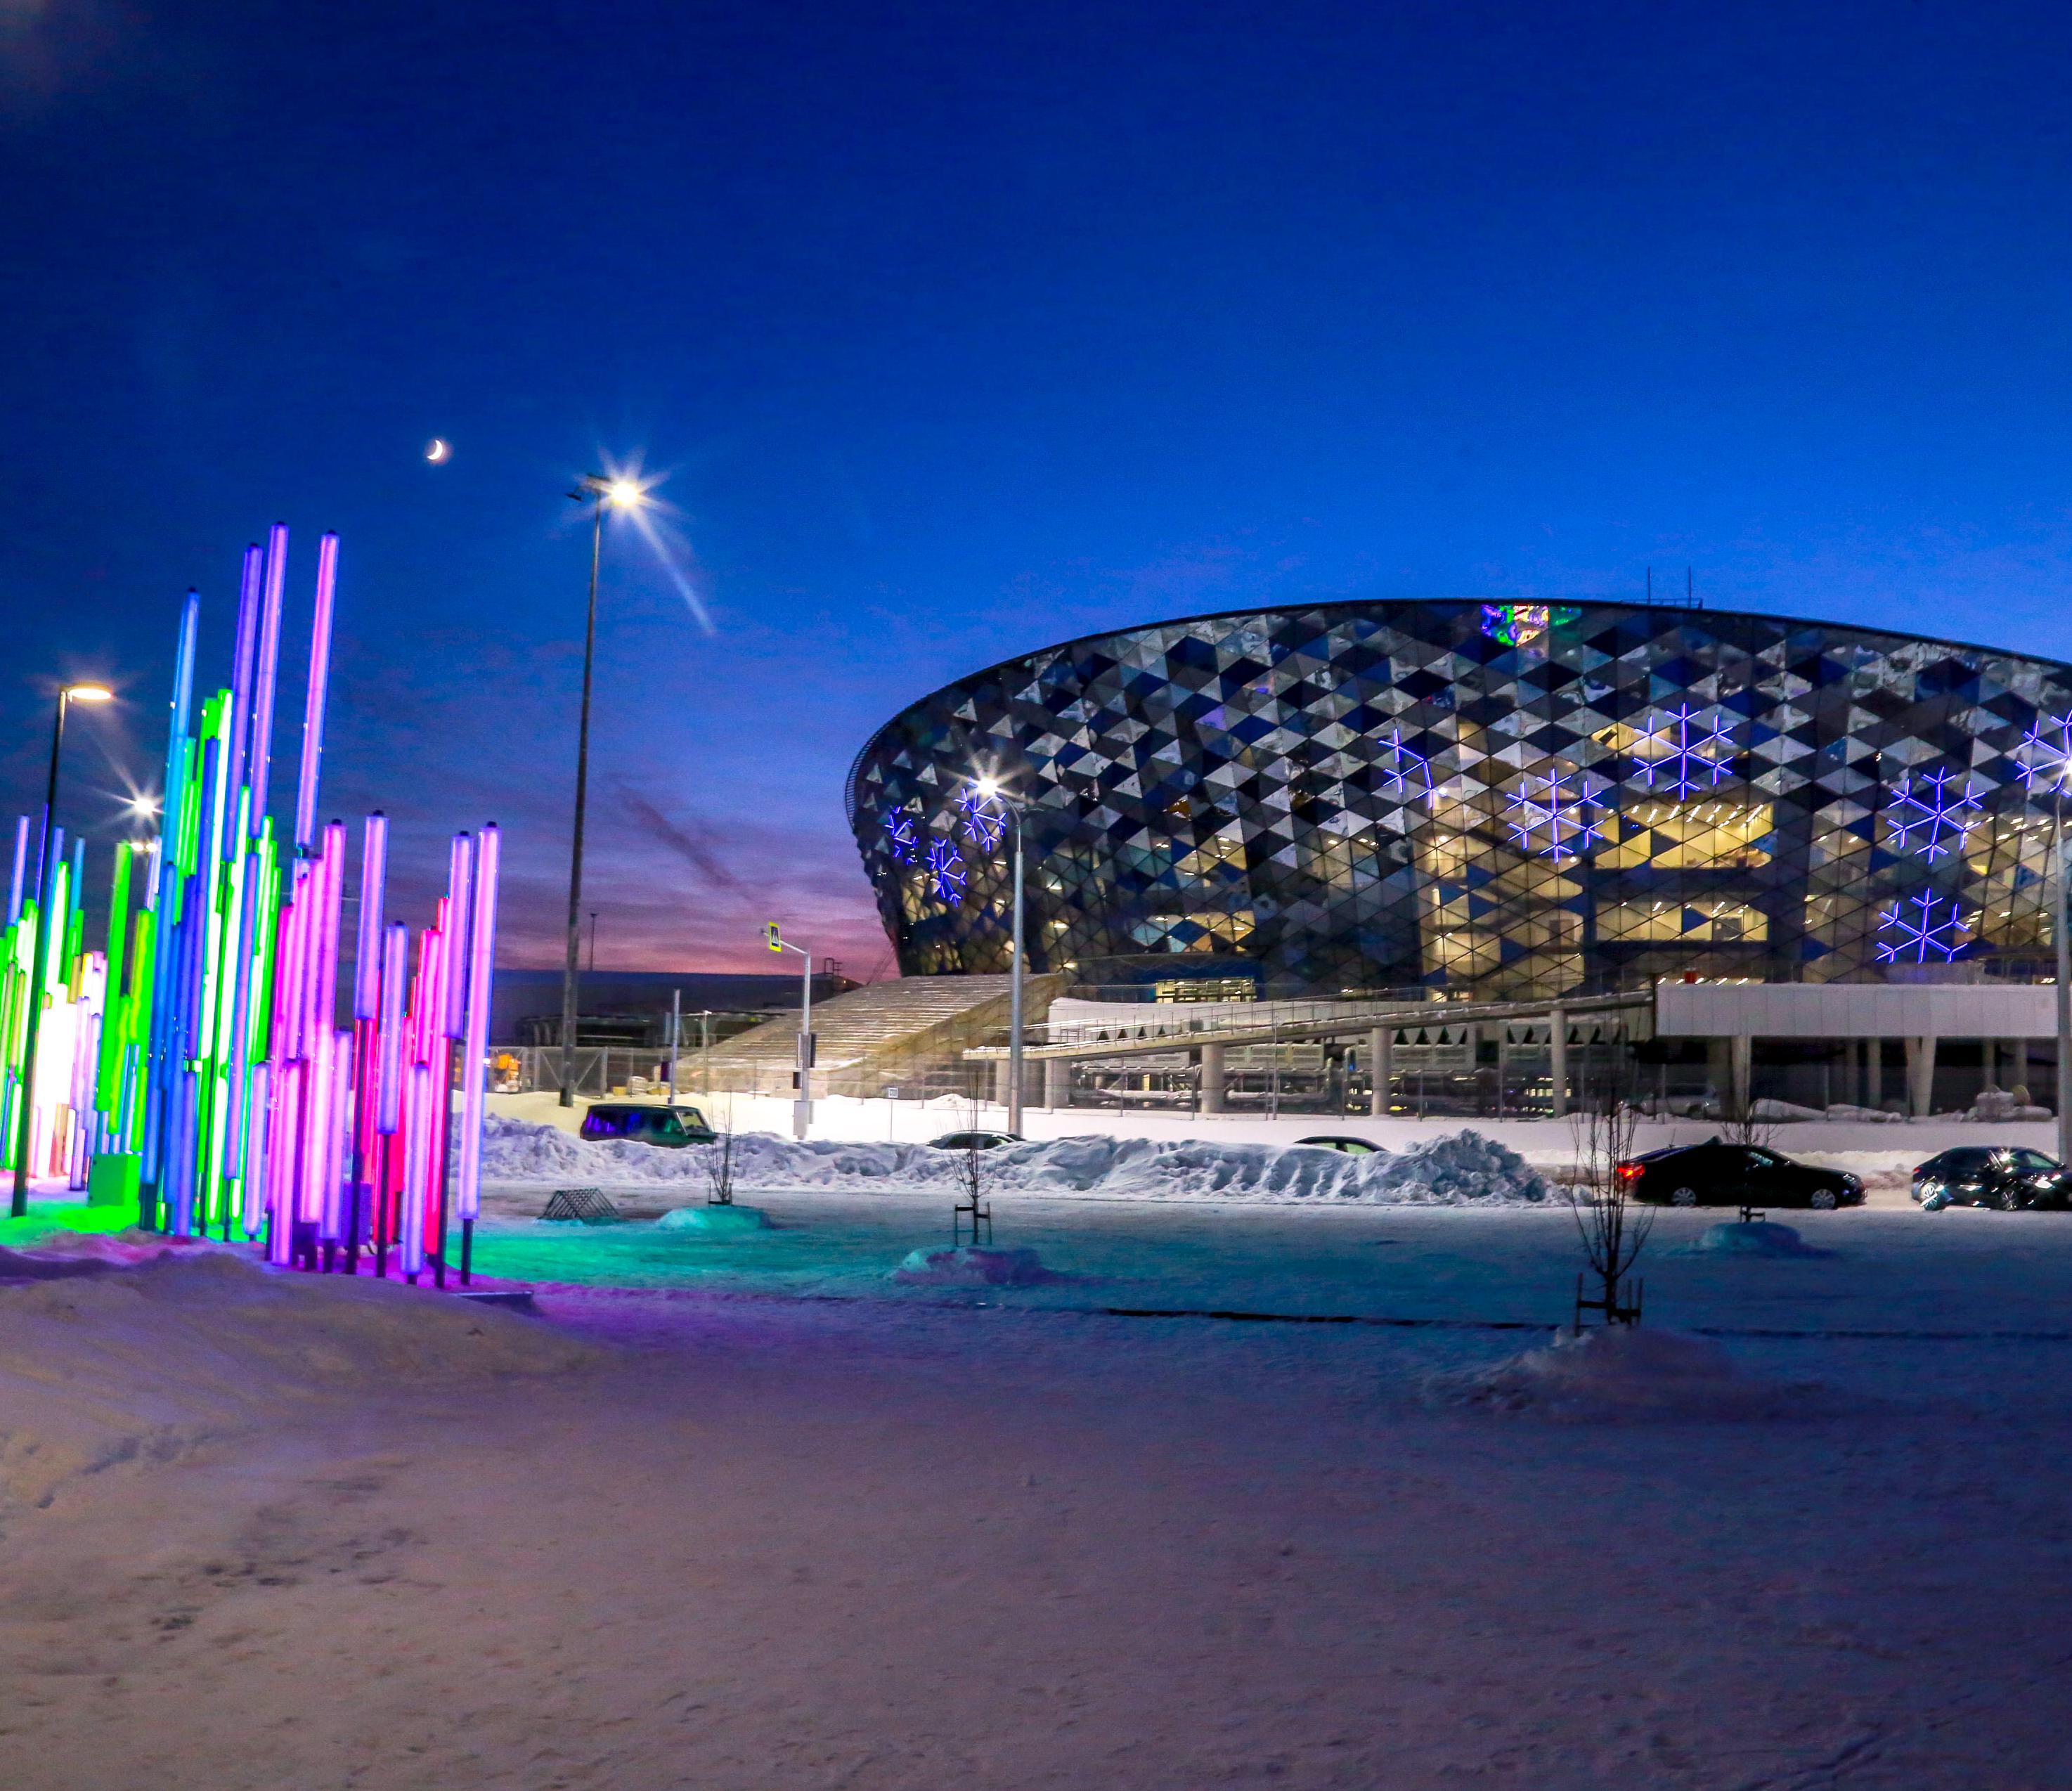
(254, 1207)
(281, 1139)
(395, 972)
(338, 1160)
(316, 1092)
(475, 1052)
(258, 762)
(367, 957)
(416, 1156)
(453, 972)
(313, 712)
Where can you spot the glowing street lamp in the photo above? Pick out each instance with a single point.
(601, 494)
(25, 1130)
(990, 797)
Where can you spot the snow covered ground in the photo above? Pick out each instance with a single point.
(781, 1519)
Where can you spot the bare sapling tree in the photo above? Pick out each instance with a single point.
(973, 1179)
(1612, 1226)
(721, 1160)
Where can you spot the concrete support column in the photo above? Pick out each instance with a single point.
(1056, 1083)
(1212, 1078)
(2012, 1069)
(1557, 1059)
(1920, 1076)
(1743, 1059)
(1000, 1082)
(1720, 1071)
(1381, 1069)
(1873, 1072)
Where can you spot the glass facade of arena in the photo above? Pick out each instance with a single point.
(1503, 799)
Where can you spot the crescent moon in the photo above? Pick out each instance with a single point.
(440, 450)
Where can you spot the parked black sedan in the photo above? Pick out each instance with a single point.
(973, 1141)
(1719, 1174)
(2006, 1179)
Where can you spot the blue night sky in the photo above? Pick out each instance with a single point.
(959, 330)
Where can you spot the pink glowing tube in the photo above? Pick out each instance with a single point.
(254, 1208)
(331, 868)
(367, 959)
(395, 972)
(416, 1160)
(258, 763)
(21, 863)
(316, 1092)
(339, 1163)
(281, 1139)
(453, 971)
(475, 1053)
(313, 713)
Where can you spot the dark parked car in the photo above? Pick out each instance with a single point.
(1999, 1176)
(1351, 1146)
(672, 1127)
(973, 1141)
(1719, 1174)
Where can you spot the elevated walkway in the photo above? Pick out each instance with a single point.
(911, 1034)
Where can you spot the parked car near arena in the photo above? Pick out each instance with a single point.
(671, 1127)
(973, 1141)
(1351, 1147)
(1719, 1174)
(2005, 1178)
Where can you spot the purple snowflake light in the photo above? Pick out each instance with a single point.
(1682, 757)
(1919, 925)
(1560, 821)
(1408, 773)
(1929, 817)
(983, 817)
(945, 872)
(2045, 755)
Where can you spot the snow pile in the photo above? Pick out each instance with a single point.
(715, 1221)
(1864, 1116)
(1625, 1372)
(1760, 1238)
(972, 1267)
(125, 1366)
(1457, 1169)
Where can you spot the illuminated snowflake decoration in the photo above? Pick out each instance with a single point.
(900, 838)
(2046, 756)
(1910, 931)
(945, 872)
(1929, 816)
(983, 817)
(1408, 773)
(1555, 817)
(1682, 756)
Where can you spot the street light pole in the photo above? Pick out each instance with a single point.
(599, 493)
(25, 1129)
(802, 1109)
(1014, 1002)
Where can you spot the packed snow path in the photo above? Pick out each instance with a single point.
(887, 1545)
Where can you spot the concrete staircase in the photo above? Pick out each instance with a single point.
(910, 1034)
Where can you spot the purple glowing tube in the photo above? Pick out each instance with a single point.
(367, 959)
(416, 1159)
(258, 762)
(248, 600)
(388, 1080)
(453, 970)
(254, 1205)
(313, 713)
(21, 863)
(475, 1053)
